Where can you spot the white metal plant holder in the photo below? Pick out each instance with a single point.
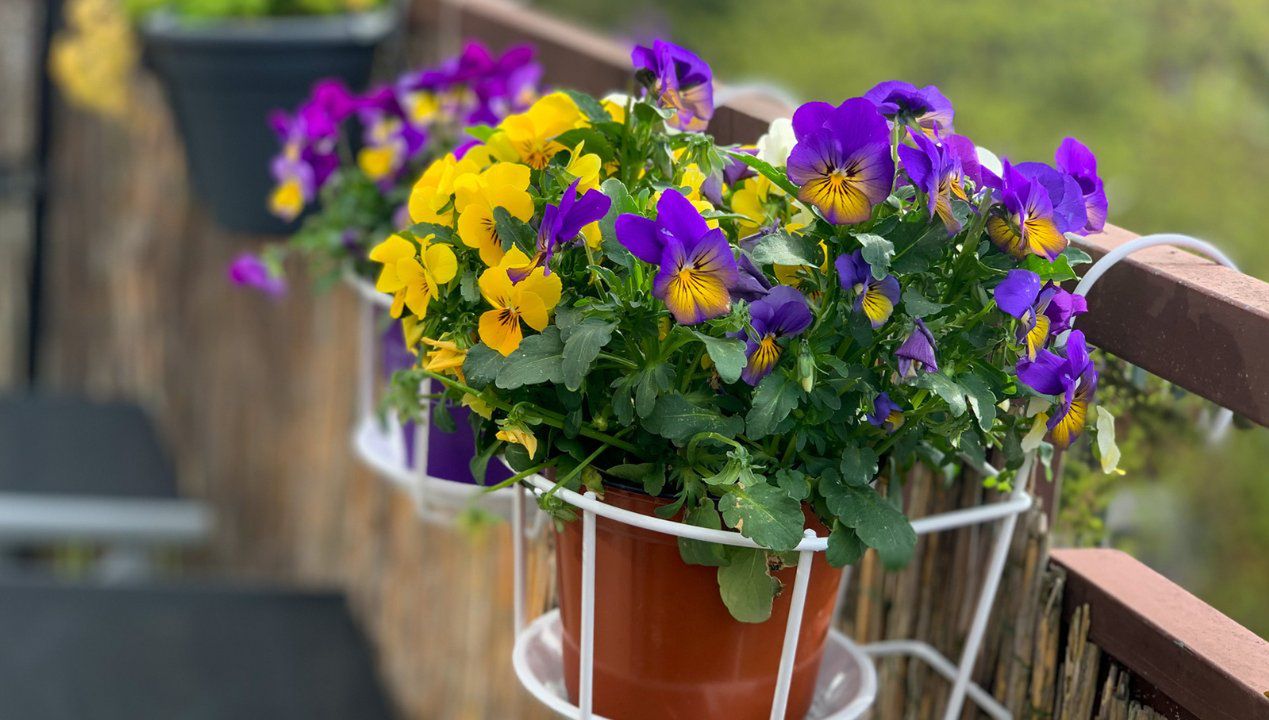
(380, 441)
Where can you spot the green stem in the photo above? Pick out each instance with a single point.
(624, 362)
(549, 418)
(575, 471)
(521, 475)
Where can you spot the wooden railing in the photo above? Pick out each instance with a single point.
(1188, 320)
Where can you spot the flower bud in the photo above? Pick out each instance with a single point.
(806, 367)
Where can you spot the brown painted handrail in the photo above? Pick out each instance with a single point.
(1188, 651)
(1183, 318)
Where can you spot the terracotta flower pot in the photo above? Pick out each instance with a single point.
(665, 645)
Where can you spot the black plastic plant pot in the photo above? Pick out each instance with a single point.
(223, 78)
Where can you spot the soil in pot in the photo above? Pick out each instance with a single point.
(666, 646)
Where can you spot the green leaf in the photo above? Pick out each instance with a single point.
(1076, 257)
(1058, 271)
(858, 465)
(844, 546)
(764, 168)
(481, 132)
(774, 399)
(877, 252)
(649, 385)
(513, 231)
(585, 340)
(794, 483)
(468, 288)
(539, 359)
(1107, 449)
(746, 585)
(699, 552)
(765, 514)
(785, 249)
(592, 141)
(878, 524)
(622, 203)
(590, 107)
(918, 305)
(728, 355)
(482, 365)
(944, 387)
(982, 402)
(917, 252)
(677, 419)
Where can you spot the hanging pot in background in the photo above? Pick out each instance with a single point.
(665, 644)
(223, 78)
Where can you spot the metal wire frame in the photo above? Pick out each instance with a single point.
(1005, 511)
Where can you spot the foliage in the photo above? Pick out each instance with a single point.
(750, 334)
(211, 9)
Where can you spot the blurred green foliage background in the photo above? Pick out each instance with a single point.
(1172, 96)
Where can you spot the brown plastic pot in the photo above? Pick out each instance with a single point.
(665, 645)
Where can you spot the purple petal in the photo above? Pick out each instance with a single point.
(751, 283)
(815, 156)
(640, 236)
(810, 117)
(678, 216)
(1016, 294)
(1045, 374)
(857, 124)
(851, 269)
(920, 163)
(590, 207)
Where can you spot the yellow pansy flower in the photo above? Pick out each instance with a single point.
(749, 199)
(531, 300)
(478, 406)
(585, 167)
(287, 199)
(445, 357)
(412, 331)
(430, 197)
(412, 283)
(503, 185)
(518, 434)
(530, 136)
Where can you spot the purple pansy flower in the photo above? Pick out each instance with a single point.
(249, 270)
(681, 82)
(1077, 161)
(1026, 222)
(876, 298)
(886, 414)
(1072, 377)
(841, 162)
(782, 313)
(1044, 311)
(904, 102)
(561, 224)
(697, 268)
(390, 140)
(939, 170)
(916, 354)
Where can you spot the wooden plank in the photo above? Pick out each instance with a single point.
(1204, 662)
(21, 69)
(1187, 320)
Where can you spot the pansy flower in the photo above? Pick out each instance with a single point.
(697, 267)
(1045, 311)
(1073, 378)
(1076, 160)
(413, 278)
(501, 185)
(529, 137)
(431, 198)
(938, 169)
(782, 313)
(518, 434)
(916, 354)
(562, 223)
(389, 140)
(444, 357)
(1038, 205)
(875, 298)
(904, 103)
(249, 270)
(530, 301)
(842, 161)
(886, 414)
(680, 81)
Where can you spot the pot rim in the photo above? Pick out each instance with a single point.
(364, 27)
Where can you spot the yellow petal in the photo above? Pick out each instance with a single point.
(496, 287)
(546, 287)
(533, 311)
(441, 262)
(500, 330)
(476, 228)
